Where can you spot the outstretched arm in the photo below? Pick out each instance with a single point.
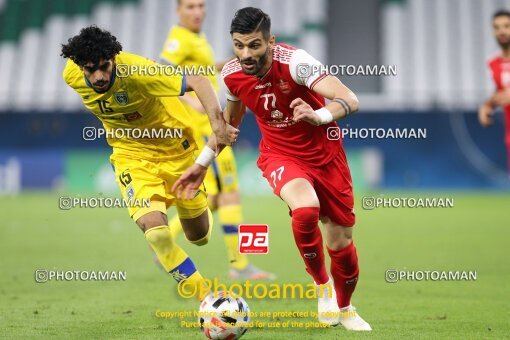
(189, 182)
(207, 96)
(234, 114)
(192, 102)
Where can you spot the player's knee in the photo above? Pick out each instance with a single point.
(212, 202)
(307, 202)
(158, 236)
(205, 239)
(200, 236)
(306, 215)
(201, 241)
(337, 237)
(151, 220)
(339, 243)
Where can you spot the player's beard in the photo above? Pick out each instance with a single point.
(101, 88)
(504, 43)
(259, 64)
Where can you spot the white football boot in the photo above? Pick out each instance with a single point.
(328, 313)
(351, 320)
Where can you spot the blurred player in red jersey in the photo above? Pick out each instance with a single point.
(500, 68)
(286, 89)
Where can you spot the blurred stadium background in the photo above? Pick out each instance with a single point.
(440, 49)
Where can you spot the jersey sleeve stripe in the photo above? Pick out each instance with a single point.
(282, 54)
(230, 67)
(322, 76)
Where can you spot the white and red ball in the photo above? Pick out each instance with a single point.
(223, 317)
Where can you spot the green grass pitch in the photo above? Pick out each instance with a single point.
(474, 235)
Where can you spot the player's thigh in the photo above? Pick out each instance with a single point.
(190, 211)
(335, 193)
(212, 201)
(151, 220)
(138, 182)
(192, 208)
(299, 193)
(333, 186)
(290, 182)
(196, 228)
(171, 172)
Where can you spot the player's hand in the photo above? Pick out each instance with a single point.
(485, 114)
(227, 136)
(303, 111)
(187, 186)
(501, 98)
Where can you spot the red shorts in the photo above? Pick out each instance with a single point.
(332, 183)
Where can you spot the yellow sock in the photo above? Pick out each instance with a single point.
(230, 217)
(175, 227)
(175, 261)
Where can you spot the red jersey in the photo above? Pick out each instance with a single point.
(269, 98)
(500, 68)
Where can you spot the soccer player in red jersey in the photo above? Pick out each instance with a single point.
(500, 68)
(286, 89)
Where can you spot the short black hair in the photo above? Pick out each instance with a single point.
(501, 13)
(250, 20)
(91, 45)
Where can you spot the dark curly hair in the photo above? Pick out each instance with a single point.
(91, 45)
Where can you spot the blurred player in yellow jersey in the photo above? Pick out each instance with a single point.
(118, 88)
(186, 46)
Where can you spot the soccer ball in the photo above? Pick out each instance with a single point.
(223, 317)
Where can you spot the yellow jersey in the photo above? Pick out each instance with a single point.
(140, 112)
(186, 48)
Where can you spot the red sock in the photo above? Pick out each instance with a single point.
(305, 226)
(345, 270)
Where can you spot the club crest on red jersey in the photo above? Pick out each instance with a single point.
(284, 86)
(276, 114)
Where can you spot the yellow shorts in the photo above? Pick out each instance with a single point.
(222, 174)
(142, 179)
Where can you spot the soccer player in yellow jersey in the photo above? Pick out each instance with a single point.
(122, 91)
(187, 47)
